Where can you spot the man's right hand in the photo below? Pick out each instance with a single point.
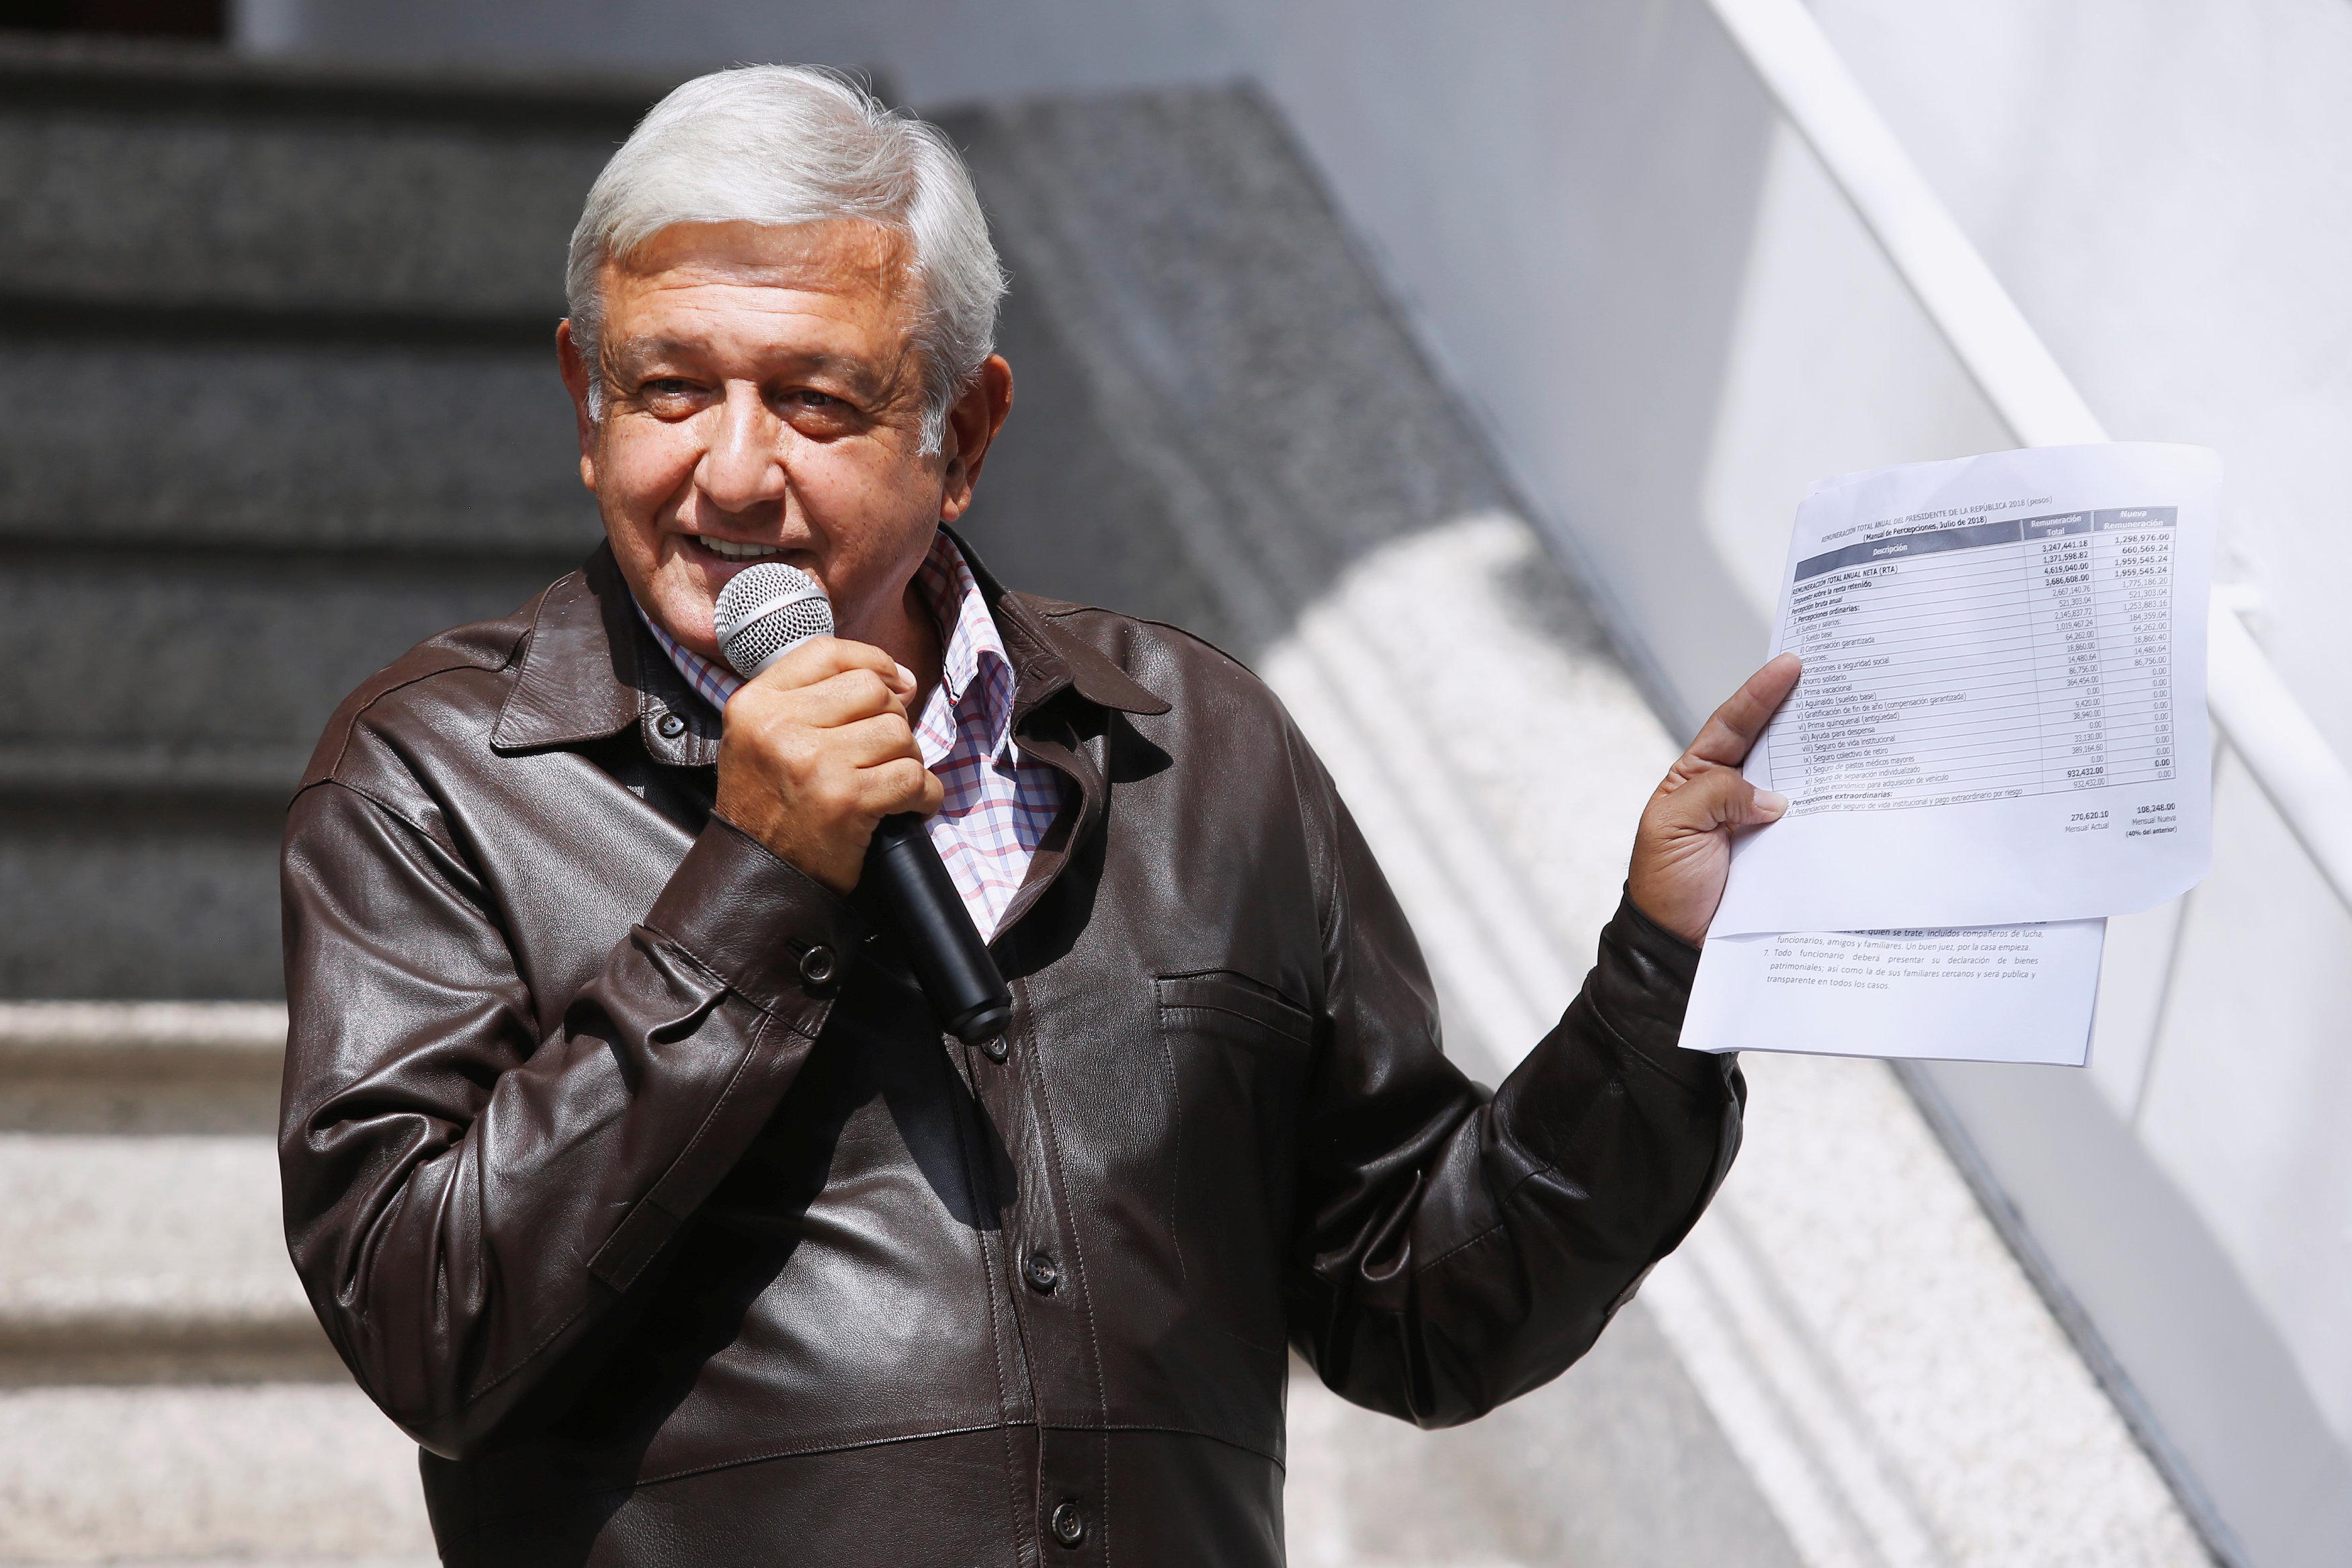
(818, 750)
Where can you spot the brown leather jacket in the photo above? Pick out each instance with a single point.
(631, 1177)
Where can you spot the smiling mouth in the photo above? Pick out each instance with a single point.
(726, 549)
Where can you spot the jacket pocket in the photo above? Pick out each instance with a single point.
(1186, 1000)
(1238, 1052)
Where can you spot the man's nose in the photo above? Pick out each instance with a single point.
(743, 468)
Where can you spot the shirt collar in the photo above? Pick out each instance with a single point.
(972, 661)
(714, 683)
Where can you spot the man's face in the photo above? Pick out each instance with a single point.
(764, 401)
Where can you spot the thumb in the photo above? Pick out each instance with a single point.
(1720, 798)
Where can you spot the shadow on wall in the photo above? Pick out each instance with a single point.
(1219, 409)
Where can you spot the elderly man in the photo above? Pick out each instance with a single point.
(625, 1164)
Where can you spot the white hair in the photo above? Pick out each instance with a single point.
(799, 144)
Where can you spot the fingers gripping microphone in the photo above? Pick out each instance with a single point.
(765, 612)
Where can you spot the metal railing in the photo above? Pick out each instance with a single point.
(2285, 751)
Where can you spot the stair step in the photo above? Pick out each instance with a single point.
(147, 1039)
(150, 899)
(141, 1239)
(140, 1067)
(165, 1395)
(149, 767)
(277, 1563)
(259, 1474)
(130, 1259)
(212, 184)
(198, 647)
(309, 446)
(232, 660)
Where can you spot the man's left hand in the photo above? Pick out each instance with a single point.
(1682, 851)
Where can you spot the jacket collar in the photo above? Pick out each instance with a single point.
(589, 670)
(579, 675)
(1047, 657)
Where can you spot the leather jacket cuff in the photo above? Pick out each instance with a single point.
(778, 938)
(1641, 986)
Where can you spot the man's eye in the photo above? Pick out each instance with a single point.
(666, 386)
(805, 397)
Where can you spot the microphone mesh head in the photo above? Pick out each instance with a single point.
(767, 610)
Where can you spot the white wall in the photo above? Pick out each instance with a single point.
(1672, 323)
(2167, 188)
(2194, 273)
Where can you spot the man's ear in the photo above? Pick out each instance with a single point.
(972, 424)
(575, 374)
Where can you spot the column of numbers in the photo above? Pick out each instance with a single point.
(2066, 639)
(2133, 573)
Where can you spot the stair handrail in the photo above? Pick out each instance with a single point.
(2306, 780)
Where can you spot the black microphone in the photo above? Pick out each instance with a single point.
(765, 612)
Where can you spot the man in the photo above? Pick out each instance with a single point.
(625, 1165)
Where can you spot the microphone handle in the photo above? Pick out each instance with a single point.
(958, 973)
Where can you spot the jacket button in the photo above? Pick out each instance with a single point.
(995, 1048)
(1069, 1524)
(818, 965)
(1044, 1275)
(670, 727)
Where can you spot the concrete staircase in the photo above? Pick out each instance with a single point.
(166, 1393)
(281, 343)
(283, 403)
(292, 408)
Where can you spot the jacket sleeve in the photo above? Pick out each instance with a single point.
(466, 1202)
(1460, 1248)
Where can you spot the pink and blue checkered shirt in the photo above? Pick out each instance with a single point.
(998, 805)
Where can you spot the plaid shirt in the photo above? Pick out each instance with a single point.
(998, 806)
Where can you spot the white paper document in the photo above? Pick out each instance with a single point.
(2002, 718)
(2012, 993)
